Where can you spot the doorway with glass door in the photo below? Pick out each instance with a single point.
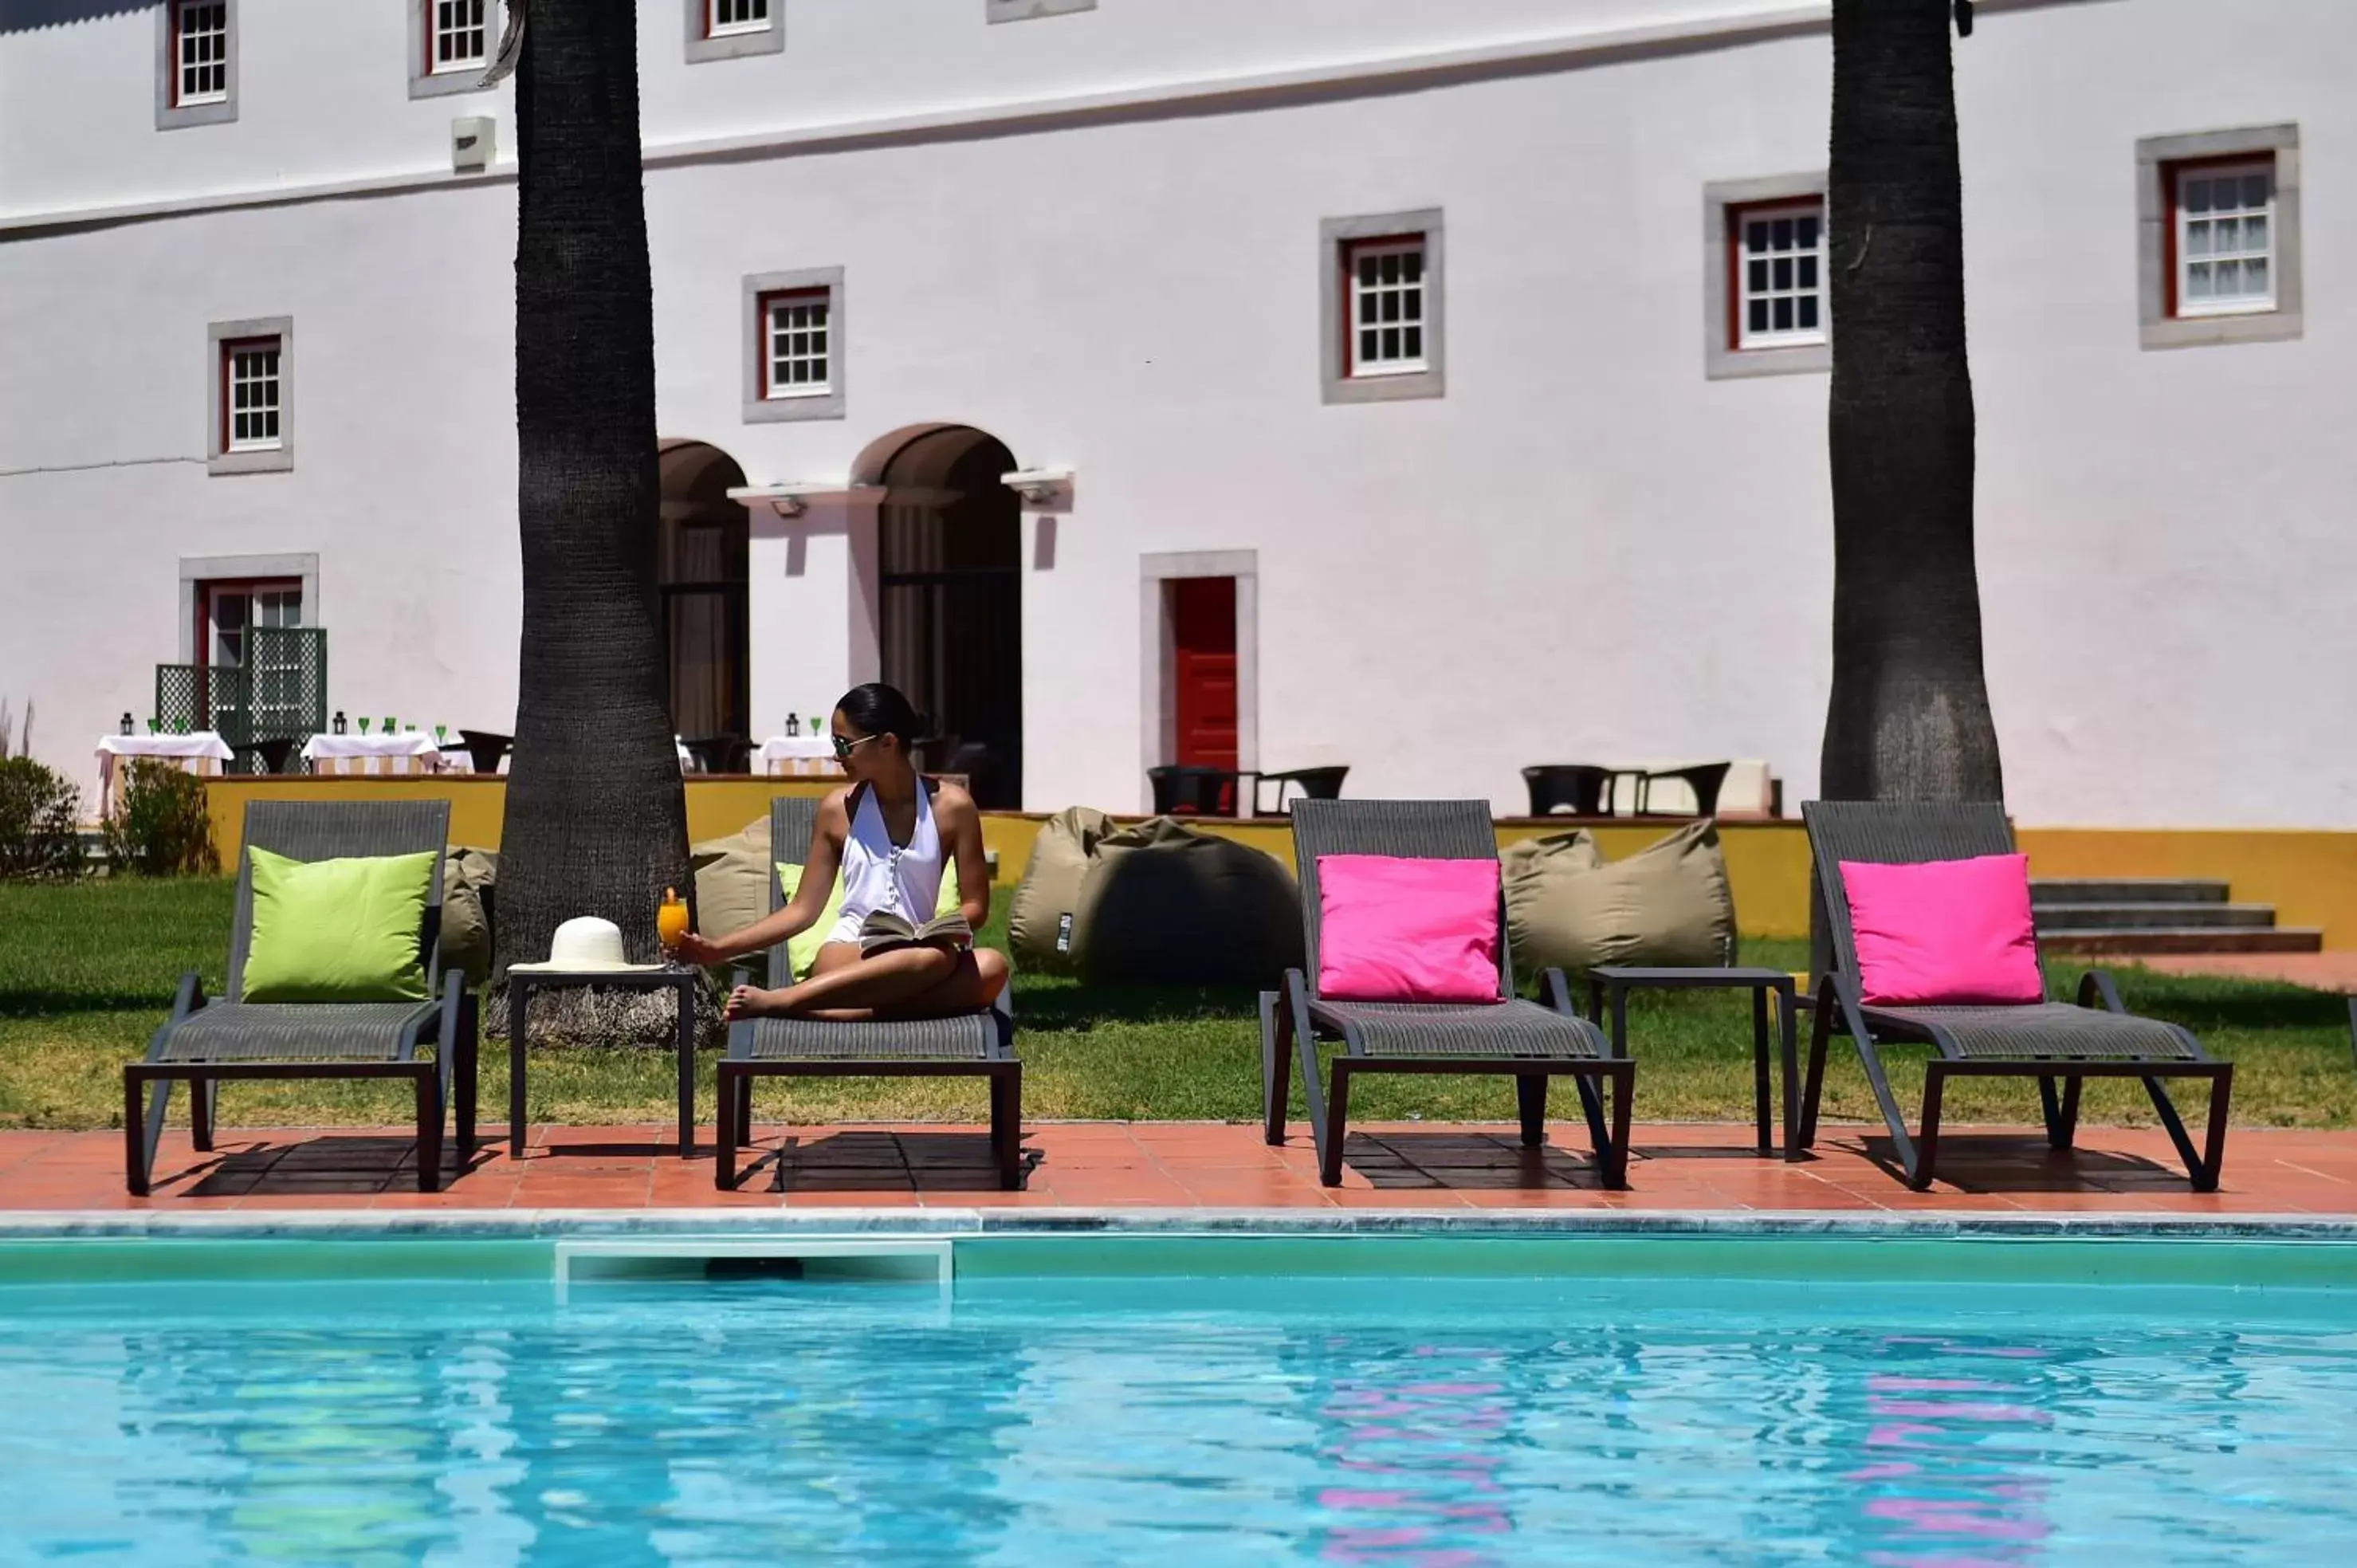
(269, 700)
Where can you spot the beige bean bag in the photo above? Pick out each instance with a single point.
(469, 877)
(1037, 930)
(732, 884)
(1669, 903)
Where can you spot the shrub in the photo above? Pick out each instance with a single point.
(40, 840)
(162, 828)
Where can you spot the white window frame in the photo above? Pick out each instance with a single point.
(717, 26)
(766, 403)
(429, 76)
(237, 357)
(1740, 222)
(2182, 219)
(1725, 206)
(437, 27)
(228, 454)
(821, 351)
(2166, 318)
(1363, 296)
(173, 108)
(710, 38)
(1342, 243)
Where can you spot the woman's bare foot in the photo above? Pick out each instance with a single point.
(752, 1002)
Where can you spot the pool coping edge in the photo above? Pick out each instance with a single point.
(551, 1223)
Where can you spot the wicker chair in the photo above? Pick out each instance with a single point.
(2051, 1042)
(202, 1044)
(980, 1044)
(1520, 1039)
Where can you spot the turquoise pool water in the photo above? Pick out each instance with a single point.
(1110, 1412)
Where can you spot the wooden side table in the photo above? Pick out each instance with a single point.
(1618, 980)
(679, 981)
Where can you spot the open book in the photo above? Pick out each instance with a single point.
(886, 929)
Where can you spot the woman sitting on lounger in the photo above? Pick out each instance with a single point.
(891, 835)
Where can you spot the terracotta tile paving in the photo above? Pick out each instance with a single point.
(2335, 970)
(1187, 1164)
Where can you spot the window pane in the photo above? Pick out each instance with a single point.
(2255, 190)
(1391, 349)
(1756, 276)
(2254, 233)
(2197, 195)
(2197, 239)
(2226, 236)
(1784, 272)
(1756, 318)
(1412, 340)
(1808, 272)
(1412, 303)
(1808, 312)
(2255, 277)
(1783, 314)
(1755, 237)
(1366, 346)
(1411, 266)
(1808, 233)
(2197, 281)
(1782, 234)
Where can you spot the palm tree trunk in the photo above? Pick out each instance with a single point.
(596, 822)
(1909, 718)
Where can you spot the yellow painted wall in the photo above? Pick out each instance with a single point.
(2310, 876)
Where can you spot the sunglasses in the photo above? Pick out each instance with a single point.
(845, 745)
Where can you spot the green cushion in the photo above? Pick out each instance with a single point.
(802, 949)
(337, 930)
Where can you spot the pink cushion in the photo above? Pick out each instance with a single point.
(1951, 933)
(1406, 930)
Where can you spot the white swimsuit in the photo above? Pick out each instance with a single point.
(880, 874)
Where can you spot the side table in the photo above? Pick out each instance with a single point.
(679, 981)
(1618, 980)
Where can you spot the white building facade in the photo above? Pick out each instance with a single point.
(1431, 389)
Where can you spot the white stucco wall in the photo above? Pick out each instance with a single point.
(1584, 550)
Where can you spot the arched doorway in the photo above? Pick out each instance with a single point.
(949, 603)
(701, 571)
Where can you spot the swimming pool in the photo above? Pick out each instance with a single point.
(1401, 1400)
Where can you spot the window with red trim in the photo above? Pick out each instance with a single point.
(726, 18)
(253, 401)
(1775, 274)
(457, 38)
(200, 52)
(2220, 236)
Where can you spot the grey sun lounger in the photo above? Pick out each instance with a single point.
(204, 1043)
(979, 1044)
(2055, 1043)
(1524, 1040)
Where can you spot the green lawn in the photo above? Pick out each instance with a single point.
(86, 974)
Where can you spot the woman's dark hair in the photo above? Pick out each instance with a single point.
(878, 709)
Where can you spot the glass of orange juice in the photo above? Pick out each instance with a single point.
(671, 920)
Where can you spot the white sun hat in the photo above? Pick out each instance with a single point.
(584, 945)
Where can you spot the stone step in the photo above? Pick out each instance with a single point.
(2268, 938)
(2152, 916)
(2124, 890)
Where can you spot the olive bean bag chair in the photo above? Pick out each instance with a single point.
(1163, 904)
(732, 885)
(1667, 904)
(1039, 924)
(468, 878)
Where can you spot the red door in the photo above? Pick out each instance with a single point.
(1203, 670)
